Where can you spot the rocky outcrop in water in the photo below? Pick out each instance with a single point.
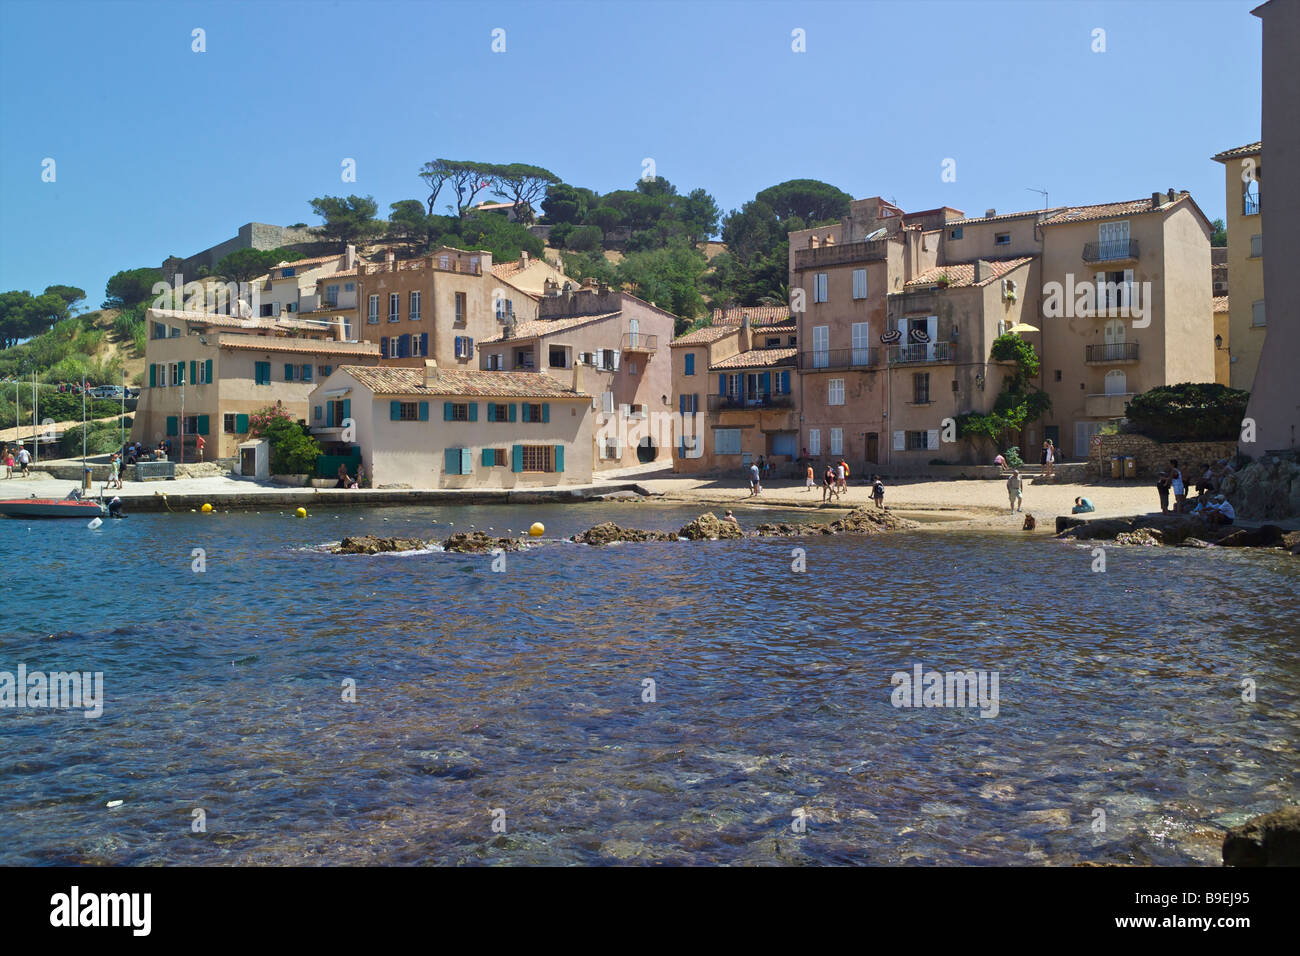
(1169, 529)
(1265, 489)
(1142, 537)
(1272, 839)
(857, 521)
(372, 544)
(608, 532)
(478, 542)
(709, 526)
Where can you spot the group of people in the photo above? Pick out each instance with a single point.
(20, 458)
(347, 481)
(1209, 502)
(133, 452)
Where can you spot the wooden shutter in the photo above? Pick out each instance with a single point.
(899, 441)
(559, 458)
(241, 424)
(546, 411)
(722, 385)
(451, 462)
(517, 458)
(526, 413)
(424, 411)
(765, 383)
(512, 412)
(681, 403)
(315, 413)
(448, 411)
(466, 462)
(492, 412)
(473, 411)
(616, 358)
(383, 346)
(288, 372)
(153, 376)
(394, 411)
(207, 372)
(932, 439)
(489, 456)
(305, 375)
(194, 372)
(785, 383)
(424, 344)
(203, 424)
(347, 409)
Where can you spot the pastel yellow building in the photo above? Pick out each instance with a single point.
(1247, 320)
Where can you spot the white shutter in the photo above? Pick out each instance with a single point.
(932, 438)
(616, 356)
(1128, 289)
(932, 330)
(899, 441)
(814, 441)
(625, 411)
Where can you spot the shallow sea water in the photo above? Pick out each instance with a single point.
(522, 691)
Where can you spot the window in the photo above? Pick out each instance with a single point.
(464, 346)
(414, 309)
(835, 392)
(1058, 375)
(1257, 314)
(837, 441)
(473, 264)
(262, 373)
(410, 412)
(349, 287)
(819, 287)
(955, 387)
(523, 358)
(266, 312)
(690, 363)
(1001, 239)
(1114, 290)
(292, 307)
(462, 308)
(325, 370)
(558, 357)
(494, 457)
(859, 283)
(505, 307)
(288, 273)
(394, 306)
(921, 388)
(190, 425)
(533, 412)
(495, 362)
(305, 374)
(539, 458)
(418, 344)
(861, 343)
(1256, 246)
(917, 441)
(954, 232)
(159, 330)
(821, 346)
(726, 441)
(175, 332)
(690, 404)
(458, 412)
(443, 262)
(1250, 195)
(792, 340)
(772, 342)
(332, 296)
(814, 441)
(372, 313)
(1116, 382)
(228, 423)
(499, 413)
(177, 370)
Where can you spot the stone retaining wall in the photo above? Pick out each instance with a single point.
(1153, 456)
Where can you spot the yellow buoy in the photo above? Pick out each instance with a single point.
(537, 530)
(207, 509)
(301, 512)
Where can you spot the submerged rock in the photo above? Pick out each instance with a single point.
(1142, 537)
(709, 525)
(1265, 536)
(1272, 839)
(857, 521)
(479, 542)
(608, 532)
(372, 544)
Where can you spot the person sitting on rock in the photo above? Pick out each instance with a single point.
(1219, 512)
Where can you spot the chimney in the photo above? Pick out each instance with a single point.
(349, 257)
(1172, 195)
(746, 342)
(523, 258)
(990, 213)
(1155, 200)
(431, 373)
(577, 377)
(340, 329)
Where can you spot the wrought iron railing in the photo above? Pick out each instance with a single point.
(1111, 251)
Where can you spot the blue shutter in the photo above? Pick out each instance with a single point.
(448, 413)
(722, 385)
(315, 413)
(194, 372)
(766, 383)
(466, 462)
(524, 417)
(559, 458)
(492, 412)
(517, 458)
(473, 411)
(785, 383)
(394, 411)
(347, 409)
(424, 344)
(288, 372)
(306, 373)
(383, 346)
(489, 457)
(681, 403)
(690, 363)
(153, 376)
(452, 464)
(404, 346)
(424, 411)
(203, 424)
(512, 411)
(546, 411)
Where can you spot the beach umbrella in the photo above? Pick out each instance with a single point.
(1020, 327)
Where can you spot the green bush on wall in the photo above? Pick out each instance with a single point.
(1193, 411)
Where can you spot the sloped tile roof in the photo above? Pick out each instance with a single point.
(268, 343)
(307, 262)
(1110, 210)
(973, 220)
(526, 331)
(474, 383)
(963, 273)
(757, 358)
(705, 335)
(757, 314)
(1240, 152)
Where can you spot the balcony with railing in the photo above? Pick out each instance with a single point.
(640, 342)
(916, 352)
(756, 402)
(1113, 353)
(866, 250)
(1250, 205)
(1120, 250)
(838, 358)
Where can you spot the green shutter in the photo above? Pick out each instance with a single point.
(207, 371)
(452, 463)
(526, 412)
(153, 376)
(194, 372)
(171, 424)
(466, 462)
(241, 424)
(517, 458)
(489, 457)
(473, 411)
(492, 412)
(512, 411)
(315, 413)
(559, 458)
(288, 372)
(203, 424)
(448, 411)
(424, 411)
(394, 411)
(347, 409)
(546, 411)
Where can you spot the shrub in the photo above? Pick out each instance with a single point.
(1204, 411)
(559, 233)
(585, 239)
(101, 438)
(1012, 455)
(293, 450)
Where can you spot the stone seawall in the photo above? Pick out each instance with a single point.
(1152, 456)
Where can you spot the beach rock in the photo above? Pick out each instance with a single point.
(708, 526)
(1264, 489)
(479, 542)
(1272, 839)
(608, 532)
(1265, 536)
(371, 544)
(1167, 529)
(1291, 541)
(857, 521)
(1194, 543)
(1142, 537)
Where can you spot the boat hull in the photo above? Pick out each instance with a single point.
(50, 508)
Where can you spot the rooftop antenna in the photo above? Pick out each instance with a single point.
(1041, 192)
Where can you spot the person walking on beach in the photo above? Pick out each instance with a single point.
(1014, 492)
(828, 485)
(1162, 489)
(840, 477)
(1049, 458)
(1178, 486)
(812, 482)
(113, 466)
(878, 491)
(9, 463)
(24, 460)
(754, 486)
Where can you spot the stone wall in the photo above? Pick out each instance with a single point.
(1153, 456)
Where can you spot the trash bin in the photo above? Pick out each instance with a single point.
(87, 484)
(1130, 467)
(1115, 467)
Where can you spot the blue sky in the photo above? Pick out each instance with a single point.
(160, 150)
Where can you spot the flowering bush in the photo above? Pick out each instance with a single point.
(293, 450)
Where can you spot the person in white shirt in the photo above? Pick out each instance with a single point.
(1220, 511)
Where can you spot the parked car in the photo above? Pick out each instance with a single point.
(107, 391)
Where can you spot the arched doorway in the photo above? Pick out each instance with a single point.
(646, 451)
(1116, 382)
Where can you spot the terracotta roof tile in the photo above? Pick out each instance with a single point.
(307, 262)
(757, 314)
(267, 343)
(1110, 210)
(1250, 149)
(475, 383)
(525, 331)
(963, 273)
(757, 358)
(704, 336)
(1004, 216)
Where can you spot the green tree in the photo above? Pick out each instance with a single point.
(494, 234)
(810, 200)
(590, 265)
(566, 204)
(1218, 233)
(1020, 401)
(699, 216)
(585, 239)
(1192, 411)
(669, 278)
(466, 179)
(68, 293)
(131, 287)
(293, 450)
(348, 220)
(409, 223)
(523, 185)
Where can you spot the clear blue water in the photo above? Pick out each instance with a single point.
(522, 691)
